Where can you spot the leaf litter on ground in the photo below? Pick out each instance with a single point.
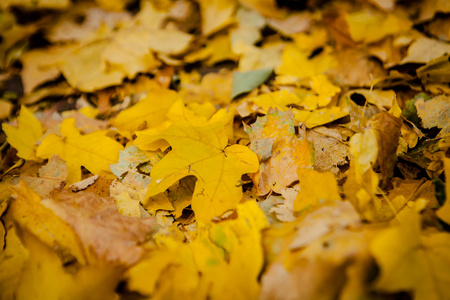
(224, 149)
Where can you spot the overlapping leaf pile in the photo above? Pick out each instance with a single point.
(226, 149)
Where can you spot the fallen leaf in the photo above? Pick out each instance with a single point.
(319, 116)
(434, 112)
(13, 259)
(315, 188)
(94, 151)
(30, 214)
(330, 149)
(194, 151)
(274, 134)
(297, 63)
(411, 260)
(24, 138)
(244, 82)
(370, 26)
(216, 14)
(83, 184)
(51, 176)
(105, 234)
(83, 70)
(387, 131)
(430, 7)
(94, 282)
(222, 253)
(425, 49)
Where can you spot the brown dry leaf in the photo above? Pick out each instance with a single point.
(214, 87)
(105, 233)
(434, 112)
(51, 176)
(310, 261)
(294, 23)
(97, 23)
(425, 49)
(330, 149)
(356, 68)
(387, 131)
(40, 66)
(430, 7)
(30, 214)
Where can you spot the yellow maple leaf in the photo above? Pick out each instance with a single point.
(152, 110)
(94, 151)
(412, 260)
(24, 138)
(202, 152)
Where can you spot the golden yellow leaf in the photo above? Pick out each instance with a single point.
(370, 26)
(319, 116)
(277, 100)
(144, 276)
(83, 68)
(95, 281)
(129, 52)
(323, 90)
(5, 109)
(411, 260)
(150, 111)
(296, 62)
(315, 188)
(40, 66)
(202, 152)
(13, 258)
(223, 261)
(94, 151)
(24, 138)
(216, 14)
(309, 42)
(127, 206)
